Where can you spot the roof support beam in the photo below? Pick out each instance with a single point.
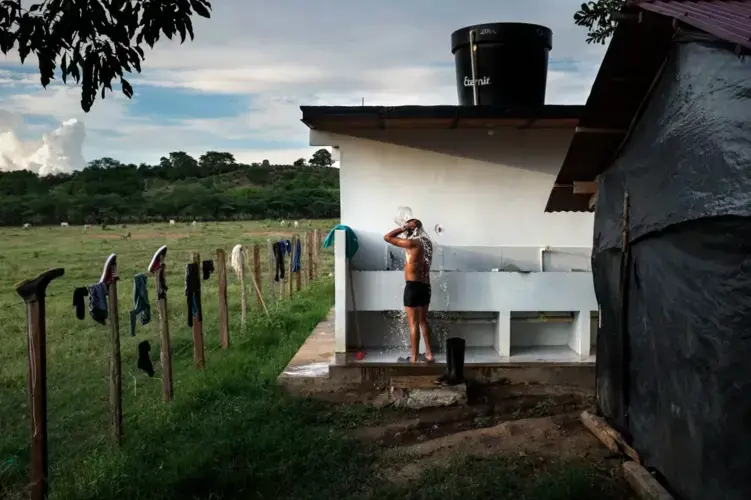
(585, 187)
(580, 187)
(589, 130)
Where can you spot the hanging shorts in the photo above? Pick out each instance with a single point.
(416, 294)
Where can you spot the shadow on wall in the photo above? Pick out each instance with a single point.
(375, 255)
(539, 151)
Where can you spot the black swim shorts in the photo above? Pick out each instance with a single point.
(416, 294)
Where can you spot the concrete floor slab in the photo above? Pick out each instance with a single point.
(315, 369)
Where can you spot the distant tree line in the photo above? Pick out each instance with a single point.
(212, 187)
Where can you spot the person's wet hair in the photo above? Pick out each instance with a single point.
(416, 230)
(417, 222)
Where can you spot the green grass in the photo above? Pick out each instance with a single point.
(230, 432)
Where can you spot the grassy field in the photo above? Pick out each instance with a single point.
(229, 433)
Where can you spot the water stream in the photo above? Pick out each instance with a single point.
(437, 320)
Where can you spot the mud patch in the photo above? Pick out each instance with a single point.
(560, 438)
(260, 234)
(438, 422)
(141, 236)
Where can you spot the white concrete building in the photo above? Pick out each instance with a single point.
(513, 281)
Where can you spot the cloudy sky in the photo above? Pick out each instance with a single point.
(239, 85)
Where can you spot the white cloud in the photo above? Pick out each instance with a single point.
(287, 53)
(59, 151)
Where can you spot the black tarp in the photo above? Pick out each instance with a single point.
(674, 343)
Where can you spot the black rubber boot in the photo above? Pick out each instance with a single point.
(144, 360)
(456, 375)
(449, 364)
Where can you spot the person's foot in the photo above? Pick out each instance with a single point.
(429, 357)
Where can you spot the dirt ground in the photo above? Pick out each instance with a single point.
(141, 236)
(537, 428)
(267, 234)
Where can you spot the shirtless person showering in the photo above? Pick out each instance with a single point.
(419, 256)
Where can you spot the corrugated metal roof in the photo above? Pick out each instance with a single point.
(634, 56)
(630, 65)
(729, 20)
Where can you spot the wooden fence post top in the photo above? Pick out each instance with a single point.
(35, 288)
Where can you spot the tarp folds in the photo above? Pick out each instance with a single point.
(674, 357)
(688, 156)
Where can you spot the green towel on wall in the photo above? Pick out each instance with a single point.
(351, 238)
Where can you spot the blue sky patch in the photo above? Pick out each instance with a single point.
(179, 104)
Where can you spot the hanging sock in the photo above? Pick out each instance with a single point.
(296, 265)
(144, 360)
(207, 268)
(98, 303)
(237, 260)
(192, 289)
(278, 249)
(141, 307)
(78, 301)
(161, 286)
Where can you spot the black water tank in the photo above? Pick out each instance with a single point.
(512, 64)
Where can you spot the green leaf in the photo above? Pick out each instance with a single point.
(189, 27)
(64, 67)
(201, 8)
(95, 41)
(180, 25)
(127, 88)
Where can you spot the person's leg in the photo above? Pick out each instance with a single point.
(413, 318)
(425, 329)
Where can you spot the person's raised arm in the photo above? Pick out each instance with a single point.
(393, 237)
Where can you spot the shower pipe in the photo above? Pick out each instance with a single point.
(473, 61)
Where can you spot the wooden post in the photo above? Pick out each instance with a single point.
(257, 273)
(33, 292)
(316, 253)
(297, 256)
(303, 261)
(608, 436)
(644, 484)
(289, 269)
(625, 354)
(283, 281)
(109, 278)
(310, 245)
(271, 269)
(165, 349)
(221, 271)
(198, 350)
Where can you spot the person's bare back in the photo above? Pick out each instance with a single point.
(418, 260)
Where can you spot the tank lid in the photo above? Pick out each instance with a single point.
(516, 33)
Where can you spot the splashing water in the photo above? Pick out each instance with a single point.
(438, 320)
(403, 214)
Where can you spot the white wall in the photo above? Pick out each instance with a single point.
(487, 192)
(483, 190)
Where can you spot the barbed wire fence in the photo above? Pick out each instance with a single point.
(66, 381)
